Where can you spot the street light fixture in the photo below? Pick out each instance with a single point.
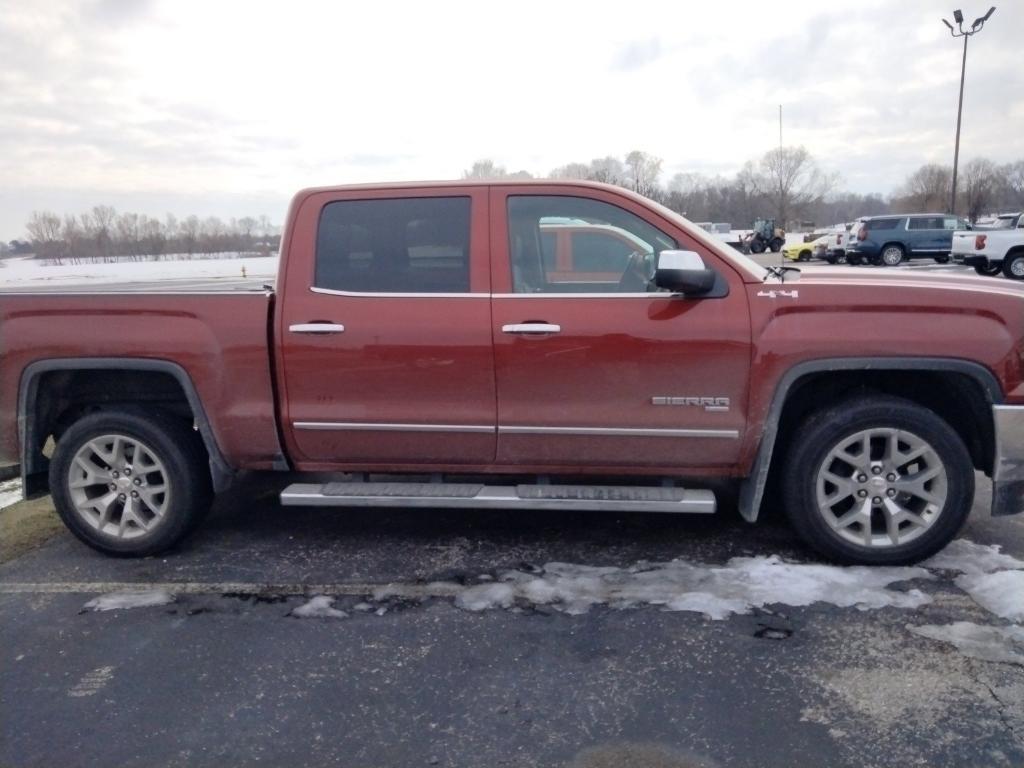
(976, 27)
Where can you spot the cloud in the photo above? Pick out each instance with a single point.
(184, 100)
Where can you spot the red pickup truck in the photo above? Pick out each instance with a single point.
(417, 345)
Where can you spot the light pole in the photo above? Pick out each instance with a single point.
(977, 26)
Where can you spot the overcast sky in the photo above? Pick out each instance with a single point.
(226, 108)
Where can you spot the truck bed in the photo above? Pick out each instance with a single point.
(219, 340)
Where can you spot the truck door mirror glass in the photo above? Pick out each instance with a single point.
(683, 272)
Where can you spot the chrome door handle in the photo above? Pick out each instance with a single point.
(529, 328)
(317, 328)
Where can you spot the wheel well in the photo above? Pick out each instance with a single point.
(60, 397)
(1017, 250)
(957, 398)
(901, 246)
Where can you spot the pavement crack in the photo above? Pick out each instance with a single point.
(1002, 709)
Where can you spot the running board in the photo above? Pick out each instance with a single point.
(618, 498)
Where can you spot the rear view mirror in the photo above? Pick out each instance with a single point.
(683, 272)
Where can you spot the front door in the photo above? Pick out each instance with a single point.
(594, 366)
(384, 333)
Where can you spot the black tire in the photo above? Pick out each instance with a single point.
(943, 259)
(853, 259)
(757, 245)
(989, 269)
(891, 255)
(830, 259)
(1013, 266)
(842, 259)
(177, 447)
(776, 243)
(804, 256)
(825, 429)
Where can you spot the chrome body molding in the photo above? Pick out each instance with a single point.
(359, 426)
(379, 295)
(619, 432)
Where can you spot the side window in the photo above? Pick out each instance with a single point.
(952, 222)
(886, 224)
(925, 222)
(407, 245)
(611, 250)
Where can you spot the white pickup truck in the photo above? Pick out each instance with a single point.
(993, 250)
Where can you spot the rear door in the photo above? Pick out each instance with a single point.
(600, 369)
(384, 332)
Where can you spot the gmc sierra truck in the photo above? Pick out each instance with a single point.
(423, 345)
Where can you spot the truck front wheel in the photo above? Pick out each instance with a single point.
(130, 485)
(989, 269)
(877, 481)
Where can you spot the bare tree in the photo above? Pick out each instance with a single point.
(488, 169)
(126, 227)
(188, 230)
(571, 171)
(44, 230)
(926, 189)
(791, 182)
(103, 217)
(642, 171)
(1013, 184)
(610, 170)
(981, 184)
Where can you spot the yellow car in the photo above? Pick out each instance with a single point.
(806, 251)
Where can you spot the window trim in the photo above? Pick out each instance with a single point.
(397, 295)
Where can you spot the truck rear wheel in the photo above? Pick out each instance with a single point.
(130, 485)
(877, 481)
(1013, 266)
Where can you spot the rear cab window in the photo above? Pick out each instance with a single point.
(394, 245)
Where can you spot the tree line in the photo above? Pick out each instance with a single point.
(106, 235)
(788, 184)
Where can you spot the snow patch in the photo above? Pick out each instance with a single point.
(1003, 644)
(115, 601)
(319, 607)
(10, 493)
(743, 584)
(1001, 593)
(967, 557)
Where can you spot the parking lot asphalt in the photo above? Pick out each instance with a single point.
(227, 675)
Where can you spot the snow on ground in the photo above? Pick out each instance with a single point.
(10, 492)
(27, 271)
(717, 592)
(319, 607)
(967, 557)
(1003, 644)
(1001, 593)
(114, 601)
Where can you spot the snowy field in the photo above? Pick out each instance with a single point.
(28, 272)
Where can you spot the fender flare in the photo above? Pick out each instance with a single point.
(753, 485)
(32, 468)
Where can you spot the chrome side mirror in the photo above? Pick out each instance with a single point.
(683, 272)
